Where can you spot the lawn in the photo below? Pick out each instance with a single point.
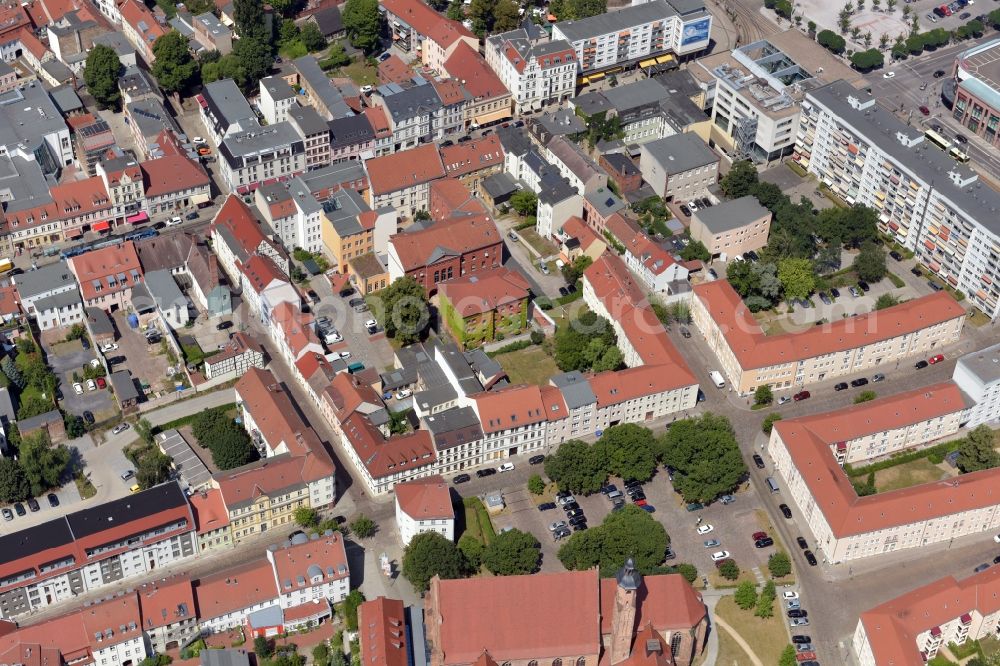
(477, 521)
(977, 318)
(730, 654)
(541, 246)
(528, 366)
(358, 71)
(908, 474)
(767, 638)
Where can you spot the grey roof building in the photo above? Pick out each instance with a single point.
(680, 82)
(730, 215)
(405, 104)
(349, 131)
(277, 88)
(55, 277)
(163, 289)
(227, 108)
(453, 427)
(514, 140)
(308, 120)
(557, 123)
(22, 184)
(555, 188)
(66, 99)
(330, 103)
(151, 117)
(124, 387)
(577, 162)
(626, 18)
(343, 209)
(680, 153)
(136, 84)
(224, 657)
(575, 389)
(117, 41)
(7, 412)
(500, 186)
(30, 122)
(604, 201)
(62, 300)
(99, 323)
(236, 147)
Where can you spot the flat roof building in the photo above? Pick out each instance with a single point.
(732, 228)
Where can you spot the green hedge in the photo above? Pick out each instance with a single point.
(896, 281)
(482, 517)
(512, 347)
(941, 450)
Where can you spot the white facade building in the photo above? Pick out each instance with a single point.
(977, 374)
(424, 505)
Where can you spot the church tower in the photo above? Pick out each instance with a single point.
(626, 603)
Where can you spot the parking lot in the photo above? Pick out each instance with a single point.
(145, 361)
(372, 350)
(65, 358)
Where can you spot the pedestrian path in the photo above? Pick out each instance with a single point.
(761, 581)
(719, 622)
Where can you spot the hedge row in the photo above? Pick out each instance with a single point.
(937, 452)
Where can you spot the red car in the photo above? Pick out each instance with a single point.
(758, 535)
(805, 656)
(935, 359)
(801, 395)
(101, 383)
(641, 502)
(924, 110)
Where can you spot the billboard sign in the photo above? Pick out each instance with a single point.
(696, 32)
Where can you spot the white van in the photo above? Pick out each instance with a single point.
(717, 379)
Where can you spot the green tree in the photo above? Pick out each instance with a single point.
(101, 76)
(174, 68)
(536, 486)
(629, 532)
(231, 447)
(763, 395)
(705, 456)
(886, 301)
(578, 9)
(253, 57)
(867, 60)
(351, 603)
(524, 202)
(456, 10)
(864, 396)
(729, 570)
(263, 648)
(144, 429)
(779, 564)
(994, 18)
(765, 602)
(403, 310)
(695, 249)
(977, 451)
(32, 405)
(575, 467)
(321, 654)
(746, 595)
(741, 179)
(153, 468)
(797, 278)
(306, 517)
(429, 554)
(14, 485)
(865, 488)
(512, 553)
(11, 372)
(312, 37)
(363, 526)
(769, 422)
(73, 425)
(610, 359)
(788, 656)
(575, 269)
(870, 263)
(628, 450)
(249, 18)
(831, 40)
(472, 550)
(43, 463)
(362, 22)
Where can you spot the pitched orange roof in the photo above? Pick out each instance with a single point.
(510, 407)
(142, 21)
(449, 198)
(296, 327)
(576, 228)
(346, 393)
(808, 440)
(379, 122)
(79, 198)
(107, 264)
(173, 173)
(167, 601)
(449, 91)
(484, 291)
(32, 45)
(294, 562)
(261, 273)
(461, 159)
(467, 65)
(462, 235)
(404, 169)
(382, 632)
(753, 349)
(209, 510)
(10, 302)
(427, 22)
(427, 498)
(234, 589)
(386, 456)
(394, 70)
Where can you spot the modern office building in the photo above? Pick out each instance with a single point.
(926, 200)
(977, 94)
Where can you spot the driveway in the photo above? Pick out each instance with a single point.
(146, 362)
(65, 358)
(372, 350)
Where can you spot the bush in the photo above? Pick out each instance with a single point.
(689, 571)
(537, 337)
(729, 570)
(746, 595)
(536, 486)
(864, 396)
(517, 345)
(942, 449)
(769, 422)
(363, 526)
(779, 564)
(831, 41)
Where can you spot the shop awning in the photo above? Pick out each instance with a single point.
(101, 226)
(137, 218)
(492, 116)
(647, 63)
(74, 233)
(665, 58)
(243, 189)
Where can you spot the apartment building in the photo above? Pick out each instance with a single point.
(140, 27)
(926, 201)
(50, 295)
(350, 229)
(912, 628)
(574, 165)
(487, 99)
(276, 98)
(352, 138)
(479, 308)
(679, 167)
(402, 180)
(415, 114)
(315, 133)
(656, 269)
(106, 276)
(224, 110)
(265, 287)
(749, 358)
(261, 154)
(472, 161)
(424, 505)
(538, 71)
(808, 453)
(211, 518)
(320, 91)
(976, 105)
(640, 107)
(732, 228)
(621, 39)
(977, 374)
(241, 353)
(237, 236)
(415, 27)
(86, 550)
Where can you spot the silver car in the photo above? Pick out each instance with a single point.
(712, 543)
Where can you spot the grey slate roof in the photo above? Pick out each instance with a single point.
(978, 200)
(622, 19)
(63, 299)
(499, 184)
(277, 88)
(984, 364)
(227, 103)
(7, 412)
(34, 422)
(308, 120)
(330, 97)
(555, 188)
(412, 102)
(57, 71)
(561, 121)
(680, 153)
(66, 99)
(453, 427)
(679, 82)
(329, 21)
(730, 215)
(123, 385)
(604, 201)
(514, 140)
(259, 139)
(350, 130)
(342, 209)
(632, 95)
(578, 162)
(152, 117)
(27, 114)
(44, 278)
(621, 164)
(22, 184)
(575, 389)
(99, 322)
(163, 289)
(224, 658)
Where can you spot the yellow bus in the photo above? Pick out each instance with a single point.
(6, 265)
(937, 139)
(958, 155)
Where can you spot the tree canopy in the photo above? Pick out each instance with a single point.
(797, 278)
(43, 463)
(174, 68)
(629, 532)
(628, 450)
(403, 310)
(705, 457)
(363, 22)
(427, 555)
(14, 484)
(583, 342)
(524, 202)
(576, 467)
(101, 75)
(870, 262)
(228, 442)
(566, 10)
(512, 553)
(977, 451)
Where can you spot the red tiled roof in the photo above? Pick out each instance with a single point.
(166, 602)
(427, 22)
(449, 91)
(236, 218)
(808, 440)
(483, 291)
(467, 65)
(462, 235)
(80, 198)
(346, 393)
(382, 632)
(99, 265)
(296, 327)
(404, 169)
(394, 70)
(753, 349)
(261, 273)
(427, 498)
(137, 15)
(510, 407)
(10, 302)
(234, 589)
(112, 614)
(379, 122)
(383, 457)
(173, 173)
(449, 198)
(293, 561)
(272, 476)
(471, 156)
(668, 602)
(209, 510)
(576, 228)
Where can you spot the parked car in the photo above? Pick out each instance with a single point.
(810, 558)
(536, 460)
(578, 519)
(573, 513)
(878, 377)
(896, 255)
(802, 542)
(685, 211)
(797, 612)
(720, 555)
(801, 395)
(763, 543)
(800, 639)
(793, 604)
(826, 299)
(77, 388)
(854, 292)
(981, 568)
(712, 543)
(727, 499)
(88, 416)
(758, 461)
(609, 488)
(935, 359)
(789, 594)
(121, 427)
(489, 471)
(695, 506)
(19, 509)
(799, 622)
(920, 365)
(705, 529)
(785, 511)
(546, 506)
(101, 383)
(461, 478)
(758, 535)
(938, 73)
(860, 381)
(402, 394)
(840, 386)
(563, 532)
(559, 524)
(8, 514)
(570, 506)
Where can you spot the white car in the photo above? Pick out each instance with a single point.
(343, 354)
(403, 393)
(506, 467)
(371, 324)
(94, 362)
(566, 500)
(174, 221)
(111, 346)
(720, 555)
(198, 139)
(783, 399)
(77, 388)
(705, 529)
(997, 538)
(788, 595)
(91, 385)
(889, 75)
(366, 89)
